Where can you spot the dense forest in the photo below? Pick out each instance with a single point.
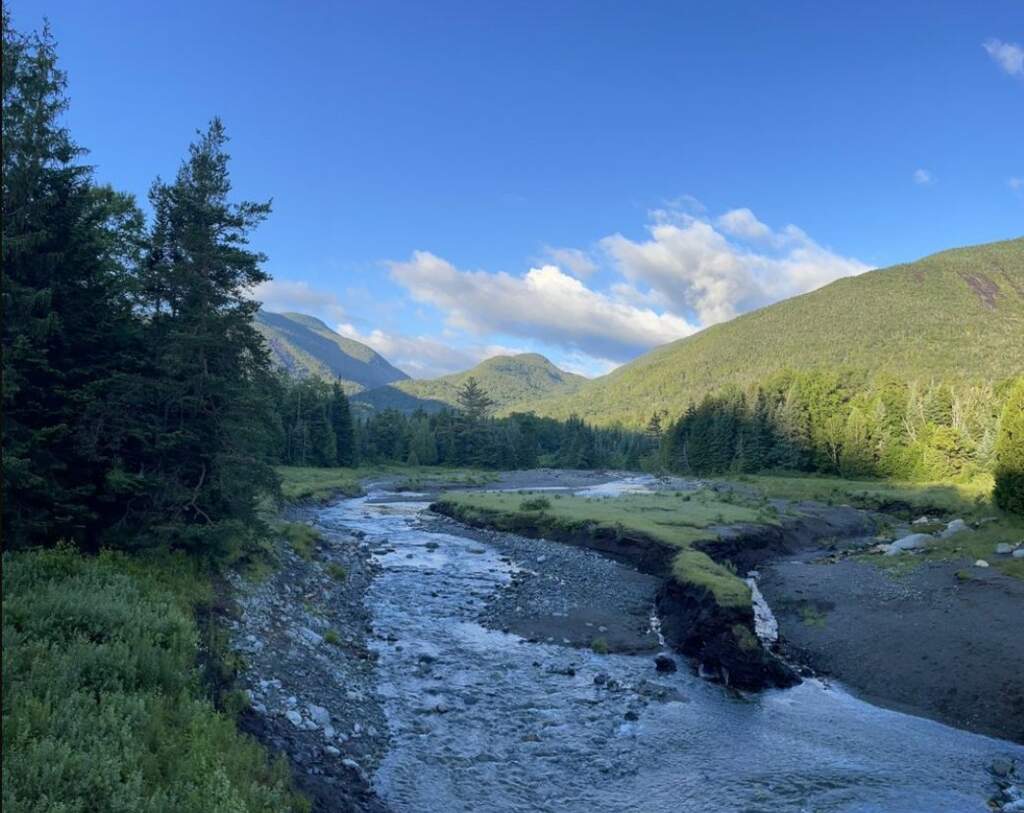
(845, 422)
(316, 427)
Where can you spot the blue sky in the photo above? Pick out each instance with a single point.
(587, 179)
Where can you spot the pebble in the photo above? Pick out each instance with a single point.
(981, 563)
(330, 749)
(294, 717)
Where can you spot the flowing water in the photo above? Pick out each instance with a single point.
(483, 720)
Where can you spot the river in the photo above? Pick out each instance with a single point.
(480, 719)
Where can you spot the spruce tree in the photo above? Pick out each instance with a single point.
(341, 421)
(211, 366)
(68, 325)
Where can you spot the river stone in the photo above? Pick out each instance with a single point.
(294, 717)
(1019, 553)
(330, 749)
(1004, 548)
(981, 563)
(953, 528)
(911, 542)
(1001, 766)
(665, 663)
(320, 715)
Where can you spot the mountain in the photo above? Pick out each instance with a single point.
(956, 315)
(513, 382)
(306, 346)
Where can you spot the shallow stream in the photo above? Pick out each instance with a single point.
(484, 720)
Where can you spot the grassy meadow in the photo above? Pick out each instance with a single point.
(676, 520)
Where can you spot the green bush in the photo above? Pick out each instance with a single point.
(102, 703)
(535, 504)
(599, 646)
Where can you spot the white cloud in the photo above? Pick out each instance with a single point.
(544, 304)
(743, 224)
(279, 295)
(576, 262)
(696, 270)
(425, 356)
(922, 177)
(1016, 184)
(1007, 55)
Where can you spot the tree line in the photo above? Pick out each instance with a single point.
(848, 423)
(317, 427)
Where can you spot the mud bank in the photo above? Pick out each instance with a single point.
(720, 638)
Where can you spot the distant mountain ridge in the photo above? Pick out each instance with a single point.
(956, 315)
(512, 382)
(304, 345)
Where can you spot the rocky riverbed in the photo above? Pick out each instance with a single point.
(459, 670)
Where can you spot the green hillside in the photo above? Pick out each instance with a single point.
(956, 315)
(511, 381)
(306, 346)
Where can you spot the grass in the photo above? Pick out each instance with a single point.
(103, 703)
(812, 616)
(599, 646)
(674, 521)
(980, 544)
(331, 636)
(337, 572)
(962, 499)
(299, 483)
(301, 537)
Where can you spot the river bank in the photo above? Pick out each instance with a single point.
(449, 660)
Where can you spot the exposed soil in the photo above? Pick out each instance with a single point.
(923, 642)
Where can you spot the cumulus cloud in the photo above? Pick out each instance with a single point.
(576, 262)
(544, 304)
(283, 295)
(1007, 55)
(701, 274)
(425, 356)
(1015, 183)
(922, 177)
(743, 224)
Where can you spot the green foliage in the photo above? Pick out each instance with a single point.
(956, 315)
(337, 572)
(838, 422)
(599, 646)
(1009, 487)
(535, 504)
(102, 704)
(668, 520)
(135, 386)
(301, 537)
(331, 636)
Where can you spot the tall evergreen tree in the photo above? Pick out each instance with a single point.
(1009, 488)
(210, 364)
(67, 320)
(341, 422)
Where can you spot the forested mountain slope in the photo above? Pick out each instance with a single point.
(306, 346)
(957, 315)
(512, 382)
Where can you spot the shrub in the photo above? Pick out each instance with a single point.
(600, 646)
(332, 637)
(535, 504)
(102, 706)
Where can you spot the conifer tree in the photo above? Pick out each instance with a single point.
(1009, 488)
